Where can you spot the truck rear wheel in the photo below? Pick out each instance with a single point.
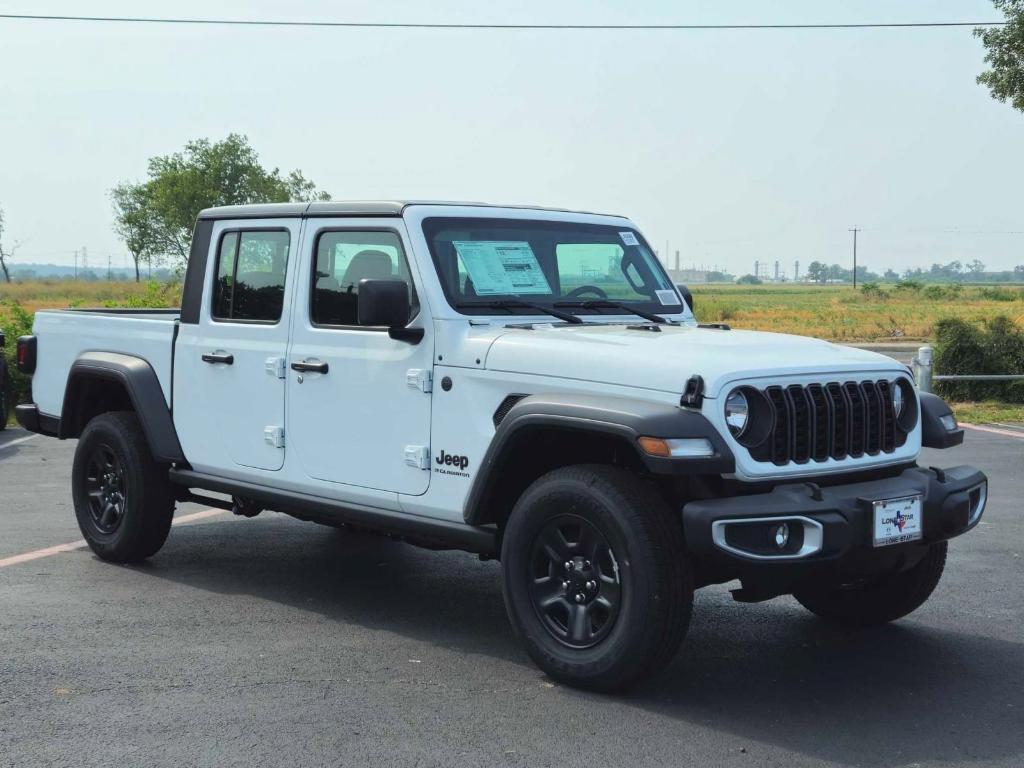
(122, 496)
(880, 600)
(596, 580)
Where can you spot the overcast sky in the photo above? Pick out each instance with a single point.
(731, 145)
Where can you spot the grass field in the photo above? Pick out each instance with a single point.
(835, 313)
(60, 294)
(840, 314)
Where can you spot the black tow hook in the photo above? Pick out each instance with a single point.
(815, 490)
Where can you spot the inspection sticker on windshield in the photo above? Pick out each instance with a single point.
(897, 521)
(667, 297)
(628, 238)
(502, 267)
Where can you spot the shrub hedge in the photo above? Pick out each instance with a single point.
(994, 348)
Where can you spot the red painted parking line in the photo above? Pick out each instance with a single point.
(993, 430)
(36, 554)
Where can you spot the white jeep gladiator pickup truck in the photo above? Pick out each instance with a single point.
(522, 383)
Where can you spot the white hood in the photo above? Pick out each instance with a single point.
(614, 354)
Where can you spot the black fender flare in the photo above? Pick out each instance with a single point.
(933, 434)
(140, 381)
(623, 417)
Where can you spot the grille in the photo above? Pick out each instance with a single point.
(836, 420)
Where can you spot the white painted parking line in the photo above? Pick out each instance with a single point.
(993, 430)
(17, 441)
(36, 554)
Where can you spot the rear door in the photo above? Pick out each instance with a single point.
(230, 367)
(363, 418)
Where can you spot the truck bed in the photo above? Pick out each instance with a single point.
(65, 334)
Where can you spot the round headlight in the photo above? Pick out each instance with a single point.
(737, 412)
(897, 398)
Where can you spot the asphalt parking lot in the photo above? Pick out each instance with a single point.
(276, 642)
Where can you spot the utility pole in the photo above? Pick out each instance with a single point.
(855, 230)
(76, 265)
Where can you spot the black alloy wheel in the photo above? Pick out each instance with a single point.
(123, 497)
(105, 486)
(597, 582)
(576, 588)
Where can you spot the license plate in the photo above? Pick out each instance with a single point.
(897, 521)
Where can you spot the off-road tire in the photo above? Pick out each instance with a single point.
(148, 501)
(654, 575)
(881, 600)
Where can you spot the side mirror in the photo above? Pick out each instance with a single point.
(387, 303)
(685, 293)
(384, 302)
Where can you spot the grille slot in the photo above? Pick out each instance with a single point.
(802, 422)
(834, 420)
(822, 422)
(504, 407)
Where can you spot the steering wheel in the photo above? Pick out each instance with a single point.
(575, 293)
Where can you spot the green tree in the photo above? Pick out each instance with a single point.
(135, 223)
(817, 272)
(207, 174)
(1005, 54)
(748, 280)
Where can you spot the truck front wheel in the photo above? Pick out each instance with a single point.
(880, 600)
(122, 496)
(597, 583)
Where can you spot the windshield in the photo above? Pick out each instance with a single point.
(510, 264)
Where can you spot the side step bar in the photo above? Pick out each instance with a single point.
(437, 533)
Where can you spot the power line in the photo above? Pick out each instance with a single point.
(427, 25)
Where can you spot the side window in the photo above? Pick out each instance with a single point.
(343, 258)
(251, 269)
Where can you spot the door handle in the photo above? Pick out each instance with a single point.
(304, 367)
(218, 357)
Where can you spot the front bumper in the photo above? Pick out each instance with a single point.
(836, 537)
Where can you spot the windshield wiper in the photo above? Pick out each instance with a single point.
(608, 304)
(518, 304)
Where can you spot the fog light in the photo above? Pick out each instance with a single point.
(948, 422)
(782, 535)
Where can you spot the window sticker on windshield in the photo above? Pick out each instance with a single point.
(667, 298)
(628, 238)
(502, 267)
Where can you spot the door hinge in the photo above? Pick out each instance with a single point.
(419, 378)
(274, 436)
(418, 456)
(275, 366)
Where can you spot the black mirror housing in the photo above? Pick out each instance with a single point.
(384, 302)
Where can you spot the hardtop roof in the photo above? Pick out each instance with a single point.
(343, 208)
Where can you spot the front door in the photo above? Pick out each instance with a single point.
(231, 364)
(358, 409)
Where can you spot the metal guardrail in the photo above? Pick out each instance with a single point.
(924, 375)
